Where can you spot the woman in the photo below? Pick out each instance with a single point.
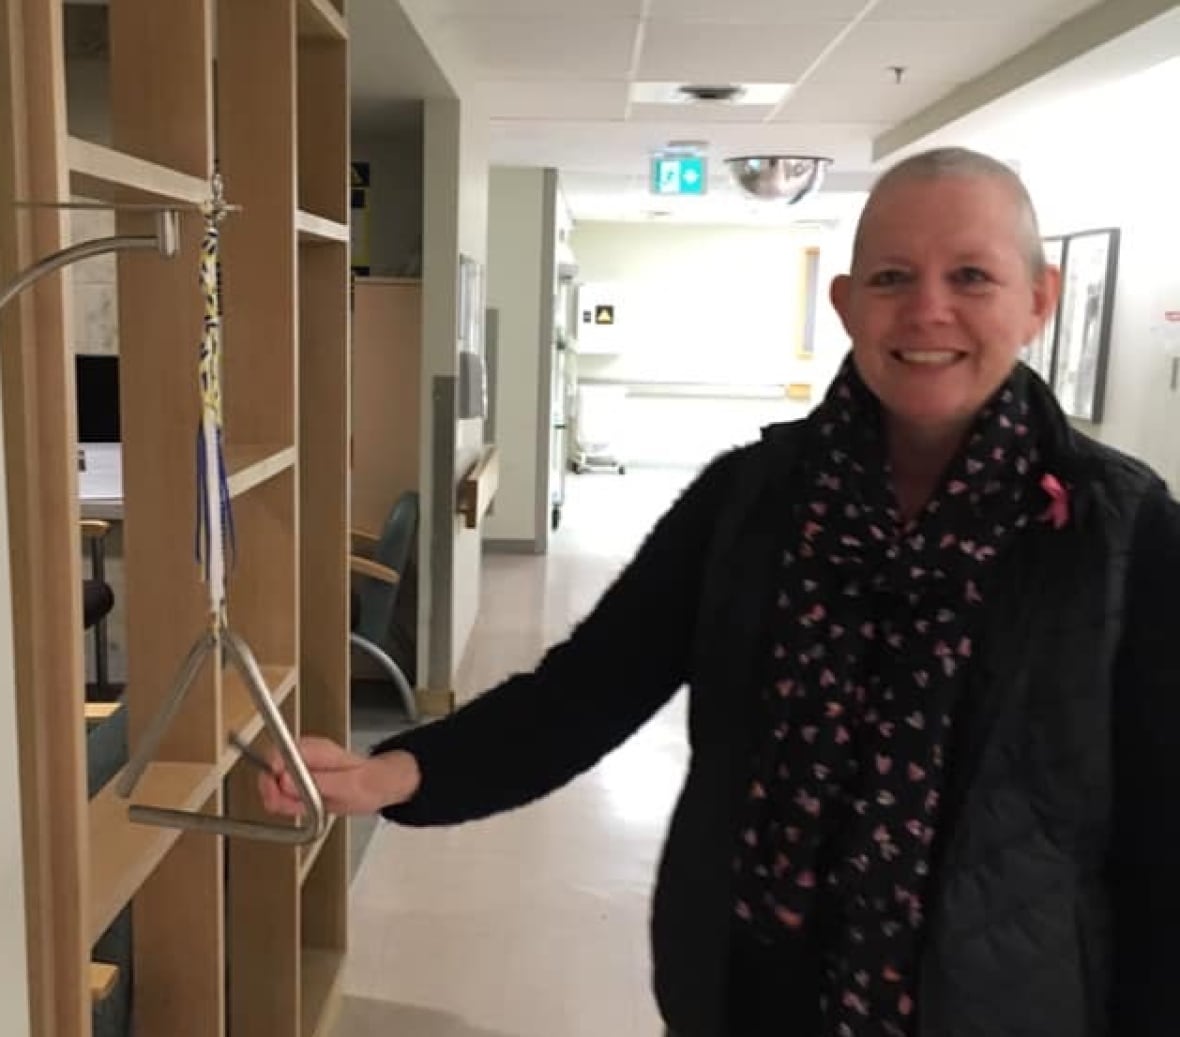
(925, 632)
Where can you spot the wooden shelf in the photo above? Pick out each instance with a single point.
(251, 466)
(321, 971)
(238, 712)
(97, 712)
(308, 855)
(319, 18)
(124, 853)
(102, 173)
(316, 229)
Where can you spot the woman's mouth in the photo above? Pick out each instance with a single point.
(928, 357)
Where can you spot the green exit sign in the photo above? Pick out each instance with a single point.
(678, 174)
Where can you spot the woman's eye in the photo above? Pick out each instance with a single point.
(886, 278)
(971, 275)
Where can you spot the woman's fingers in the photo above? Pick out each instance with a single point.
(318, 754)
(322, 754)
(335, 772)
(276, 800)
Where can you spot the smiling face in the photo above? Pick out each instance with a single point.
(941, 298)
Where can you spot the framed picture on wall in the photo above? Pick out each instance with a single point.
(1084, 319)
(465, 303)
(1042, 351)
(470, 320)
(808, 300)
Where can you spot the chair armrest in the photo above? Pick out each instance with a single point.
(363, 539)
(103, 978)
(367, 567)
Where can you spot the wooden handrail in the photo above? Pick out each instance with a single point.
(478, 488)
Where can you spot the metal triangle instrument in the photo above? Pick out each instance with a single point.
(239, 655)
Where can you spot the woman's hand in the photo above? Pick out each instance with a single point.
(348, 783)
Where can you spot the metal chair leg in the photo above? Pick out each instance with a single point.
(392, 670)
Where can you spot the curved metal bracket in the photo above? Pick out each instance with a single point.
(166, 241)
(239, 655)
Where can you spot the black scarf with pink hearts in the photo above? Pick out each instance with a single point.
(871, 639)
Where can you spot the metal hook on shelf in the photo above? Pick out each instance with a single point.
(239, 655)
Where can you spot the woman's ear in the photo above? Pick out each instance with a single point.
(1046, 291)
(840, 294)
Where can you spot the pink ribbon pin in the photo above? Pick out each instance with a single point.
(1058, 510)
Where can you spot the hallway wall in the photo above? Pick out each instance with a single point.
(708, 333)
(1130, 184)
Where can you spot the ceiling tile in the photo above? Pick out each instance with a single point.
(947, 51)
(1055, 11)
(860, 98)
(700, 113)
(555, 72)
(766, 12)
(525, 99)
(535, 8)
(707, 51)
(570, 47)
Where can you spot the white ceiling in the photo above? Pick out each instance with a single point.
(555, 76)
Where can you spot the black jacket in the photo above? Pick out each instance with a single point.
(1056, 906)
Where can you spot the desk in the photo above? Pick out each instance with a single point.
(100, 482)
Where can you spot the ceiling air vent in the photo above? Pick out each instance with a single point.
(712, 93)
(765, 95)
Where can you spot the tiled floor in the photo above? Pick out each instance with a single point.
(532, 924)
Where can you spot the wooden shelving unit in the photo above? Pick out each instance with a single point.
(230, 936)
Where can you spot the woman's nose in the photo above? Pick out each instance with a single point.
(929, 300)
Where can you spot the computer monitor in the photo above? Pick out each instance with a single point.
(97, 391)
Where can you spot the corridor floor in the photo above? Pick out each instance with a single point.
(533, 923)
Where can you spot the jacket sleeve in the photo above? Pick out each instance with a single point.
(536, 731)
(1145, 853)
